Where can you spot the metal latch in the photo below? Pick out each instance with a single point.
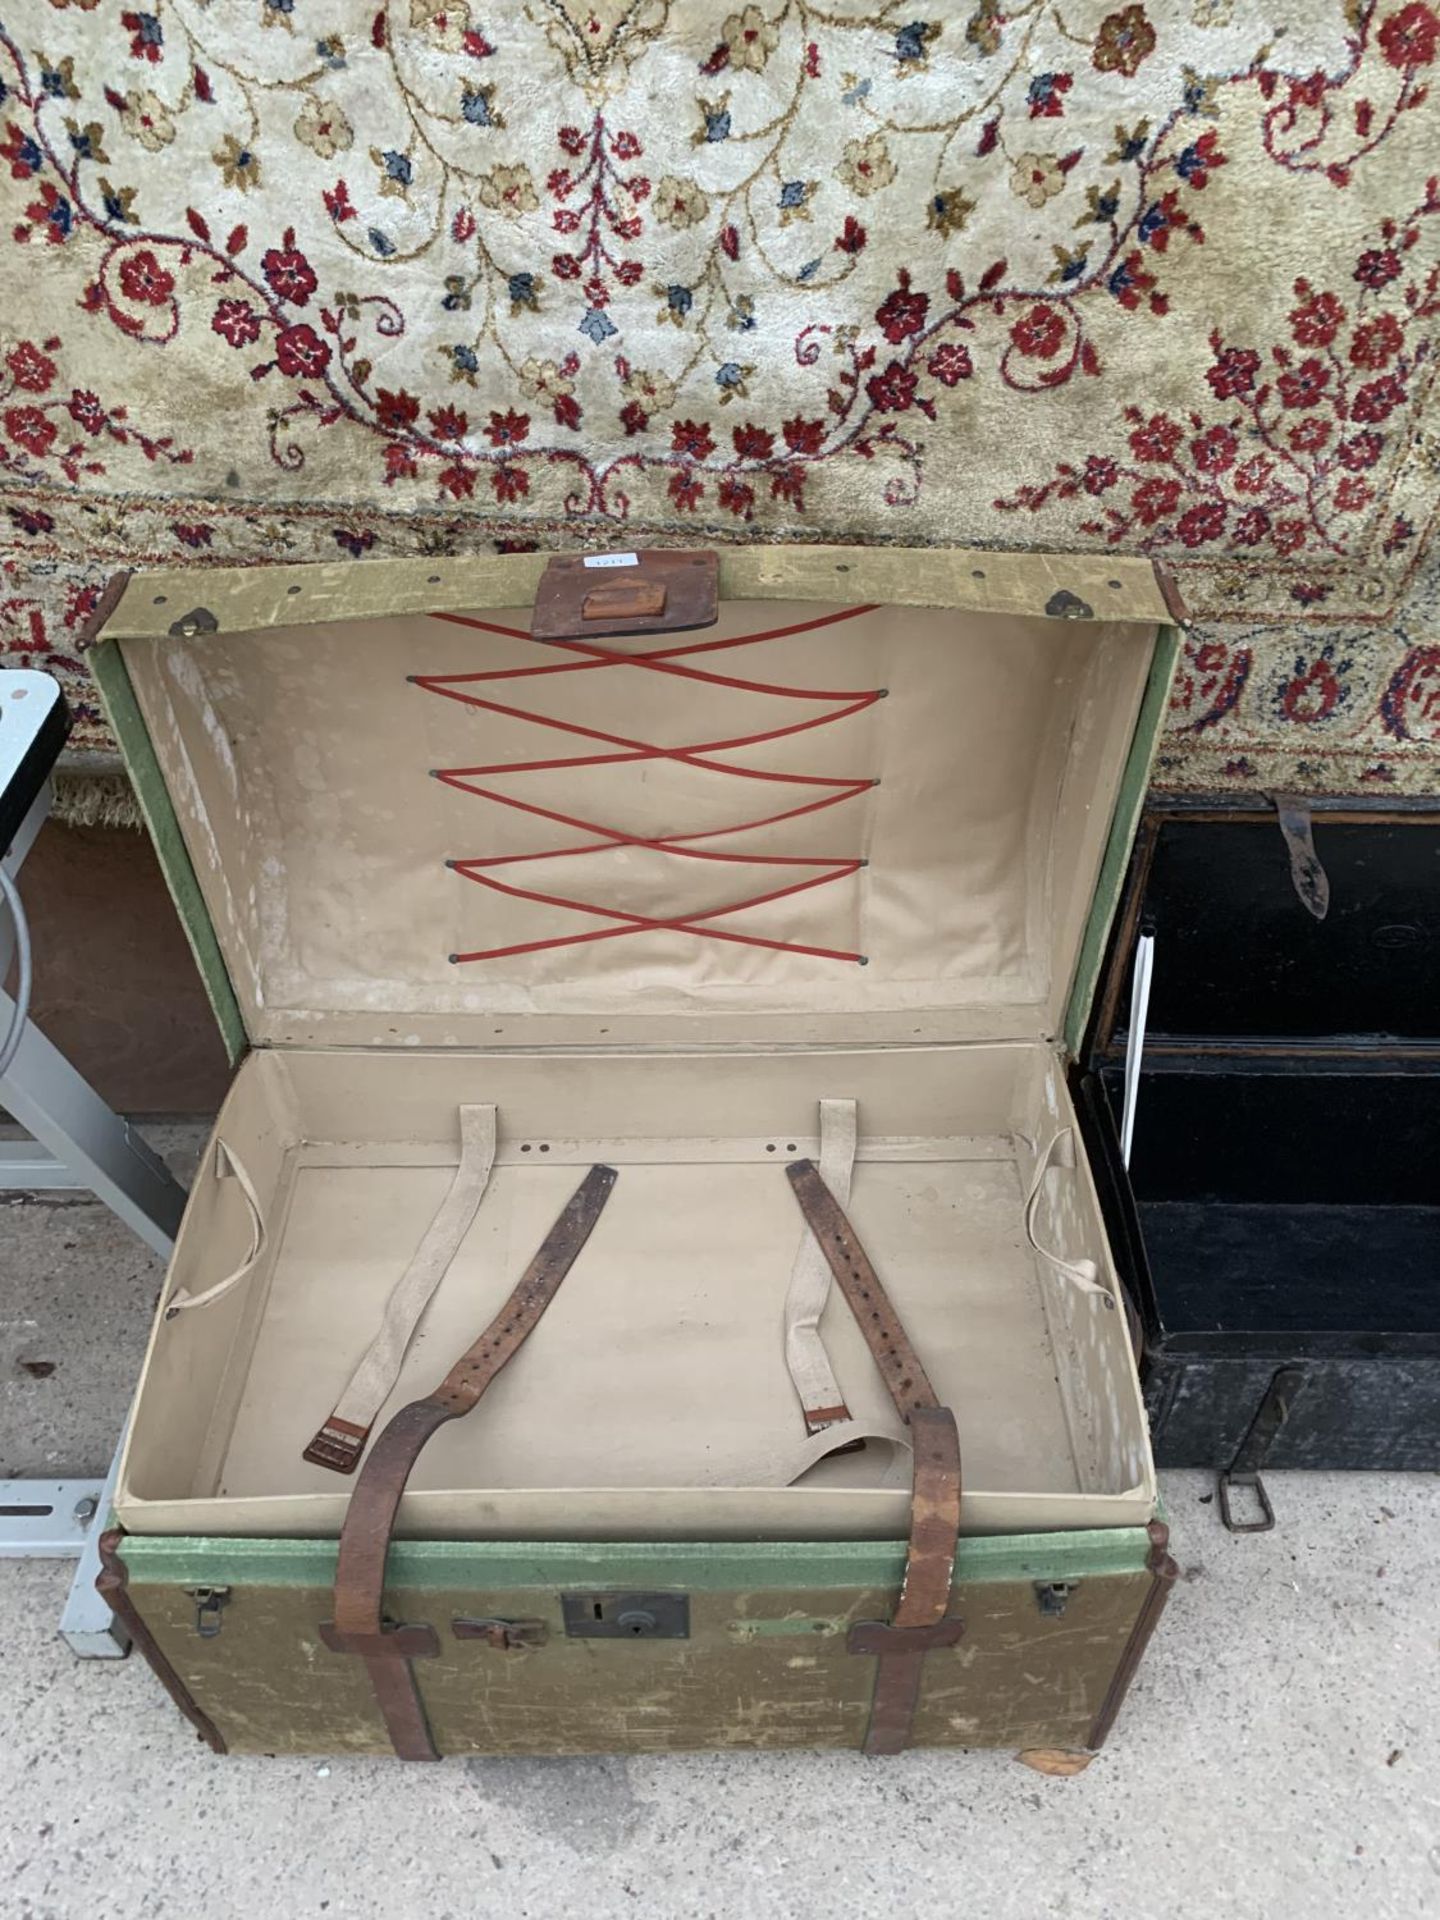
(1053, 1596)
(209, 1603)
(1244, 1470)
(626, 1616)
(511, 1635)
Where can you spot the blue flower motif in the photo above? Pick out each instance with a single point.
(1152, 221)
(597, 326)
(1189, 163)
(115, 207)
(398, 167)
(331, 52)
(147, 30)
(82, 140)
(52, 82)
(475, 106)
(465, 358)
(29, 155)
(911, 41)
(1121, 281)
(717, 124)
(522, 290)
(729, 375)
(382, 243)
(61, 218)
(857, 93)
(679, 300)
(1073, 269)
(809, 270)
(281, 6)
(794, 193)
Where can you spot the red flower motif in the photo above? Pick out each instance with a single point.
(1378, 398)
(449, 423)
(686, 490)
(803, 436)
(692, 438)
(86, 411)
(1410, 37)
(1353, 493)
(1157, 439)
(236, 321)
(1311, 434)
(28, 427)
(1154, 498)
(950, 364)
(1361, 452)
(1214, 450)
(851, 237)
(30, 368)
(1234, 371)
(893, 390)
(1099, 475)
(1254, 476)
(300, 352)
(144, 280)
(752, 442)
(1377, 267)
(508, 429)
(1377, 342)
(1202, 523)
(396, 411)
(1302, 386)
(626, 147)
(902, 312)
(633, 418)
(510, 484)
(399, 463)
(736, 497)
(567, 412)
(1316, 323)
(289, 273)
(1251, 528)
(1289, 536)
(1038, 333)
(458, 481)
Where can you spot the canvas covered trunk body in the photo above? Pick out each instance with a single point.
(653, 1018)
(1279, 1218)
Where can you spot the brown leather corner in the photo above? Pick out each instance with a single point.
(1163, 1572)
(113, 1586)
(1170, 592)
(111, 594)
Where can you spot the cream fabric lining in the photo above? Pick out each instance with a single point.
(654, 1400)
(300, 765)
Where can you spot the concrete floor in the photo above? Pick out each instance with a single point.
(1279, 1753)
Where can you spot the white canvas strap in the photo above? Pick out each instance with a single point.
(809, 1289)
(783, 1466)
(228, 1166)
(1059, 1155)
(341, 1439)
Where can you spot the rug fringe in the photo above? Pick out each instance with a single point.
(92, 799)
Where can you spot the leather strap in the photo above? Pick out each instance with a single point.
(921, 1620)
(359, 1625)
(341, 1438)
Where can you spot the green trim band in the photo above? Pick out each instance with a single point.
(1123, 823)
(707, 1566)
(122, 710)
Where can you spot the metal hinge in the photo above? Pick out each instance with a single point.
(1053, 1596)
(209, 1603)
(626, 1616)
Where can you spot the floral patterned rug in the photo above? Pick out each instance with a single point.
(308, 278)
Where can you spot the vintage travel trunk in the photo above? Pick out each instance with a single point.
(1281, 1218)
(673, 966)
